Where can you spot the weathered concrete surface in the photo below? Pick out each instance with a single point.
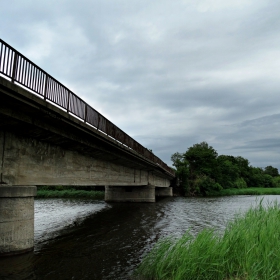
(41, 144)
(164, 191)
(16, 219)
(28, 161)
(130, 194)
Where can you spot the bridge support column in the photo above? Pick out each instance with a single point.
(130, 193)
(16, 219)
(164, 191)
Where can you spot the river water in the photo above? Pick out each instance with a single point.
(89, 239)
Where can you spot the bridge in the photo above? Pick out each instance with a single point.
(50, 136)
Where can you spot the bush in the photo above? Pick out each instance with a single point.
(276, 182)
(240, 183)
(204, 185)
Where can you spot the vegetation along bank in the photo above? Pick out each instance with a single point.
(202, 172)
(69, 192)
(248, 249)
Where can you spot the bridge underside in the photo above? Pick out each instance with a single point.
(43, 145)
(29, 161)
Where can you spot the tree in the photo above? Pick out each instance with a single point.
(202, 159)
(244, 169)
(272, 171)
(203, 168)
(256, 178)
(182, 170)
(178, 159)
(229, 171)
(201, 171)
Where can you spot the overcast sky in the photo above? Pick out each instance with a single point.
(170, 73)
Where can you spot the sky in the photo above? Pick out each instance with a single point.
(169, 73)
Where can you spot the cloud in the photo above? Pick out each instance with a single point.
(170, 74)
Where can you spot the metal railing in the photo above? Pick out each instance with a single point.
(24, 72)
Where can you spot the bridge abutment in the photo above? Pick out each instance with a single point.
(16, 219)
(130, 193)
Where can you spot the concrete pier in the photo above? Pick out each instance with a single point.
(130, 193)
(16, 219)
(164, 191)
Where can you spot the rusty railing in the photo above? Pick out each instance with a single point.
(21, 70)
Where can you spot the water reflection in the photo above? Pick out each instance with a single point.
(54, 217)
(17, 267)
(97, 240)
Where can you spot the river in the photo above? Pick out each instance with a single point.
(89, 239)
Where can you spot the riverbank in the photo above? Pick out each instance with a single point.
(246, 191)
(67, 192)
(90, 192)
(248, 249)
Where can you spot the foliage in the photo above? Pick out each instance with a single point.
(272, 171)
(182, 170)
(202, 159)
(201, 171)
(276, 182)
(248, 249)
(240, 183)
(229, 171)
(67, 192)
(246, 191)
(204, 184)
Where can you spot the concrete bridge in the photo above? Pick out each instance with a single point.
(49, 136)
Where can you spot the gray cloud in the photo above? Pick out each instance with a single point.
(170, 74)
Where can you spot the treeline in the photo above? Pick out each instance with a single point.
(201, 171)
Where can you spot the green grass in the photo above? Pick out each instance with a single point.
(246, 191)
(248, 249)
(69, 193)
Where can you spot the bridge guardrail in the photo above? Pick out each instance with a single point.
(20, 69)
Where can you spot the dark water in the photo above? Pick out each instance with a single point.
(84, 239)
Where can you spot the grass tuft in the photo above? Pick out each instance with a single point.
(248, 249)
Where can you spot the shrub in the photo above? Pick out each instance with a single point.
(240, 183)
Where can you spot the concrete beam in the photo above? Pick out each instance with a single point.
(29, 161)
(130, 193)
(164, 191)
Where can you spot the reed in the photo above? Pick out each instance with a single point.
(248, 249)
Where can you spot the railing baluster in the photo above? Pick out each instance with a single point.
(20, 69)
(4, 61)
(46, 87)
(15, 64)
(1, 55)
(25, 72)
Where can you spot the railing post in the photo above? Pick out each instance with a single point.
(15, 63)
(46, 86)
(68, 100)
(85, 113)
(98, 121)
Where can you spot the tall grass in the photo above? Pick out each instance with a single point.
(246, 191)
(69, 193)
(248, 249)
